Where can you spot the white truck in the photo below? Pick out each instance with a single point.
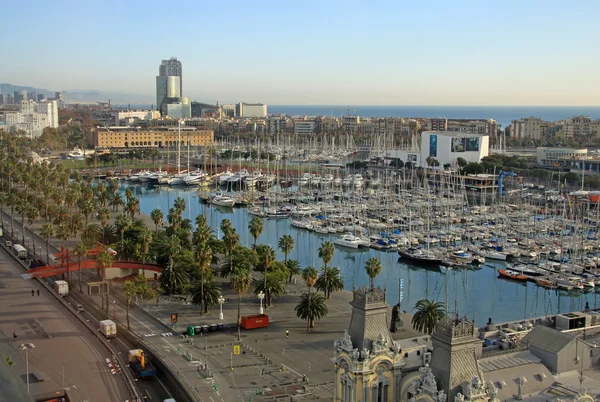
(20, 251)
(108, 328)
(61, 287)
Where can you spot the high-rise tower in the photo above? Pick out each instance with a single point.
(169, 83)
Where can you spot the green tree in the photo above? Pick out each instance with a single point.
(461, 162)
(286, 245)
(231, 241)
(373, 267)
(130, 290)
(293, 267)
(326, 251)
(206, 292)
(330, 280)
(47, 232)
(256, 227)
(311, 307)
(79, 252)
(427, 314)
(104, 260)
(271, 287)
(310, 276)
(157, 217)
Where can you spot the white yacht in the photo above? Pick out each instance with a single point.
(76, 154)
(223, 201)
(194, 178)
(327, 180)
(224, 177)
(304, 179)
(351, 241)
(357, 180)
(315, 180)
(177, 179)
(252, 179)
(337, 181)
(347, 181)
(238, 177)
(137, 176)
(154, 177)
(302, 224)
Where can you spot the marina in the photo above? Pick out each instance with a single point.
(510, 260)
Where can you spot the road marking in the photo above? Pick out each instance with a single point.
(148, 393)
(211, 399)
(165, 388)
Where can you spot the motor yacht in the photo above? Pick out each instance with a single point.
(351, 241)
(224, 177)
(419, 256)
(252, 179)
(194, 178)
(223, 201)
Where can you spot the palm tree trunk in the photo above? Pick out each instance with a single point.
(47, 254)
(127, 311)
(79, 270)
(239, 318)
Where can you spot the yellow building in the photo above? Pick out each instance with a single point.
(128, 137)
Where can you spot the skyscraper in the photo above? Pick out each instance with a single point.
(172, 67)
(168, 83)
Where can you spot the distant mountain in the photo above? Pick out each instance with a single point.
(116, 98)
(9, 89)
(85, 95)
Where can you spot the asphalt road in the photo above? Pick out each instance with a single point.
(153, 389)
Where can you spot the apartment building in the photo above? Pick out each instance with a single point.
(127, 137)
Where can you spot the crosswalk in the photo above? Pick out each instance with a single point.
(164, 335)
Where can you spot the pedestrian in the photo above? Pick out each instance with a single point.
(14, 335)
(32, 292)
(287, 333)
(38, 292)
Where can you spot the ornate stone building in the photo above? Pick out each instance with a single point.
(368, 363)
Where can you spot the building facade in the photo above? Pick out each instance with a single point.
(32, 117)
(126, 137)
(438, 124)
(446, 147)
(251, 110)
(556, 156)
(128, 117)
(303, 127)
(528, 128)
(172, 68)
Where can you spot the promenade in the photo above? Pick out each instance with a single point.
(65, 351)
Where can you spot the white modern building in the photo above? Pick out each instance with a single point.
(557, 156)
(32, 117)
(304, 127)
(445, 147)
(128, 117)
(251, 110)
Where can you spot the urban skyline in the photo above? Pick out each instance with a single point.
(388, 54)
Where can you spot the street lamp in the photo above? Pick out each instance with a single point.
(221, 300)
(114, 310)
(591, 346)
(261, 296)
(25, 347)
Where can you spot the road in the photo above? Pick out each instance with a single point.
(69, 355)
(152, 389)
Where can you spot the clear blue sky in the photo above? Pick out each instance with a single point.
(525, 52)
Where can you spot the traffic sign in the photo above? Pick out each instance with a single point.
(236, 349)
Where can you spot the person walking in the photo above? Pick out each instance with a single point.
(14, 335)
(38, 291)
(32, 292)
(287, 333)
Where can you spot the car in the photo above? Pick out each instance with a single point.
(79, 308)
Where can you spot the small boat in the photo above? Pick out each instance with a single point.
(351, 241)
(514, 275)
(223, 201)
(76, 154)
(419, 256)
(224, 177)
(259, 212)
(545, 283)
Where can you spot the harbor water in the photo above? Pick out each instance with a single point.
(476, 293)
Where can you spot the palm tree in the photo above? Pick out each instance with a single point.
(133, 206)
(326, 251)
(373, 268)
(157, 217)
(179, 205)
(122, 223)
(312, 306)
(80, 251)
(90, 233)
(206, 292)
(75, 223)
(286, 244)
(428, 313)
(293, 267)
(271, 287)
(116, 201)
(256, 227)
(47, 232)
(128, 194)
(310, 276)
(241, 281)
(129, 291)
(108, 234)
(104, 260)
(103, 216)
(226, 226)
(32, 214)
(231, 240)
(330, 280)
(266, 256)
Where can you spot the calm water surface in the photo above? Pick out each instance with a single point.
(477, 293)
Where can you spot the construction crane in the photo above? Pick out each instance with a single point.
(501, 174)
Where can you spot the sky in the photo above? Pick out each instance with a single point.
(426, 52)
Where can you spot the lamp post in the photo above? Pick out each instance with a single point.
(25, 347)
(261, 296)
(221, 300)
(590, 345)
(114, 310)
